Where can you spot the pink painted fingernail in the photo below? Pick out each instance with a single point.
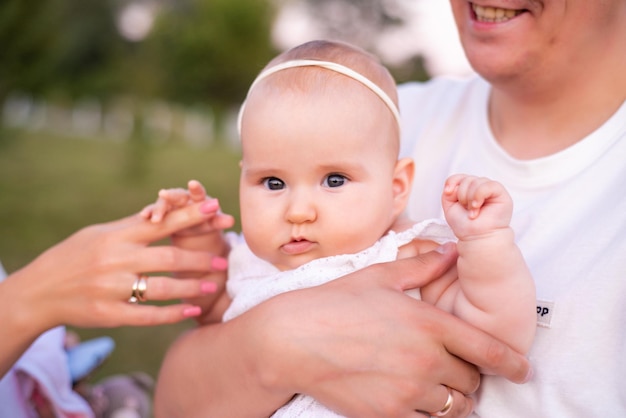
(219, 263)
(192, 311)
(209, 206)
(208, 287)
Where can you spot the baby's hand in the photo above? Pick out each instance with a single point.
(172, 199)
(475, 205)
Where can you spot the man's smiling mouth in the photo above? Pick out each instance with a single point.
(493, 14)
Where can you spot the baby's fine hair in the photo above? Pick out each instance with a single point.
(345, 54)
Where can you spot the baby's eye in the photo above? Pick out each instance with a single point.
(335, 180)
(273, 183)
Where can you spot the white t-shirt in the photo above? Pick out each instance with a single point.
(570, 223)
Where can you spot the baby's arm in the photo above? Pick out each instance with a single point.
(495, 290)
(205, 237)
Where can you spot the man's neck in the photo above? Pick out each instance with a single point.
(546, 116)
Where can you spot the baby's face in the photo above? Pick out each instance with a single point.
(317, 173)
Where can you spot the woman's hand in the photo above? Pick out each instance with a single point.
(86, 280)
(207, 236)
(169, 200)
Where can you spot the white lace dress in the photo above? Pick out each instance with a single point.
(252, 281)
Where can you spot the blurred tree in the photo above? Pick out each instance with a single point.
(88, 48)
(53, 46)
(205, 51)
(209, 51)
(198, 52)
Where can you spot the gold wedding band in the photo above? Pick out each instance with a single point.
(140, 286)
(447, 407)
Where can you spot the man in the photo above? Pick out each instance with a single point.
(546, 118)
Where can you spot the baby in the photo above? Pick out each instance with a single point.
(322, 194)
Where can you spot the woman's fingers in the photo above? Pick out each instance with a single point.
(214, 225)
(148, 315)
(89, 276)
(146, 289)
(138, 230)
(159, 288)
(173, 259)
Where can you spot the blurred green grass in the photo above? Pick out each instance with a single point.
(51, 186)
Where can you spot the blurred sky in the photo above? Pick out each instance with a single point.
(430, 32)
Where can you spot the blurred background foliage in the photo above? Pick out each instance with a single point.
(51, 185)
(195, 51)
(71, 155)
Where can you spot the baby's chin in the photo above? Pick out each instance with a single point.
(294, 261)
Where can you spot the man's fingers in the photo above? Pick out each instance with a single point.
(418, 271)
(462, 405)
(441, 364)
(486, 352)
(460, 375)
(451, 403)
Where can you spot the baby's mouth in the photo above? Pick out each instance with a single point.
(297, 246)
(494, 14)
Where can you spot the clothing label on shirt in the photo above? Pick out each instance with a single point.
(544, 313)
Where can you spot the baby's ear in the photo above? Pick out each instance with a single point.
(402, 182)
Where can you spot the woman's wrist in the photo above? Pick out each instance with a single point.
(21, 324)
(28, 313)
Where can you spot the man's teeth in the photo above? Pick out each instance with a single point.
(493, 14)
